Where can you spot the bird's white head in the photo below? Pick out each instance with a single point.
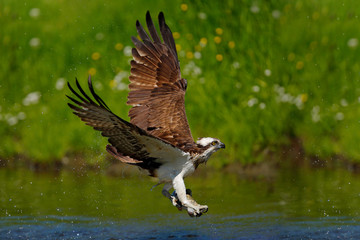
(210, 144)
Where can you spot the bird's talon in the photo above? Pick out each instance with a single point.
(193, 208)
(192, 212)
(204, 209)
(175, 202)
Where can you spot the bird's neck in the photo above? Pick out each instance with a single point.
(202, 158)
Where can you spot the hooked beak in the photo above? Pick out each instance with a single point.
(222, 145)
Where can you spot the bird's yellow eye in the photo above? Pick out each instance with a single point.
(213, 143)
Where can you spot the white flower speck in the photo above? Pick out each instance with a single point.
(192, 69)
(279, 89)
(21, 116)
(339, 116)
(60, 83)
(262, 105)
(353, 42)
(10, 119)
(343, 102)
(299, 102)
(202, 15)
(197, 71)
(118, 80)
(236, 65)
(254, 9)
(286, 98)
(34, 12)
(276, 14)
(34, 42)
(120, 76)
(315, 116)
(255, 88)
(127, 51)
(98, 86)
(267, 72)
(31, 98)
(182, 53)
(122, 86)
(197, 55)
(252, 102)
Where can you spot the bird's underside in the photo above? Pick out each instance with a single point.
(157, 138)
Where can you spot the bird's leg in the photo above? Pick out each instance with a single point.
(193, 208)
(173, 198)
(165, 190)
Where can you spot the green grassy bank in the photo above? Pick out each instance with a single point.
(260, 73)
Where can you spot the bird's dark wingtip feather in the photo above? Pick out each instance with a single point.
(161, 18)
(76, 101)
(148, 16)
(97, 98)
(75, 108)
(152, 30)
(83, 92)
(70, 87)
(167, 34)
(75, 93)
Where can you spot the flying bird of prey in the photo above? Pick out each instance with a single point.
(157, 138)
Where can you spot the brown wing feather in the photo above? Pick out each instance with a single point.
(157, 91)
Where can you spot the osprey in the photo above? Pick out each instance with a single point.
(158, 137)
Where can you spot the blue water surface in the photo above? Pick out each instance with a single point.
(254, 226)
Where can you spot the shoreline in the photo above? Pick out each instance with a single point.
(286, 158)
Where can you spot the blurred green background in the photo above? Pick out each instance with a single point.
(261, 74)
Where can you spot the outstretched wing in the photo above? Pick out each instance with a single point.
(129, 143)
(157, 91)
